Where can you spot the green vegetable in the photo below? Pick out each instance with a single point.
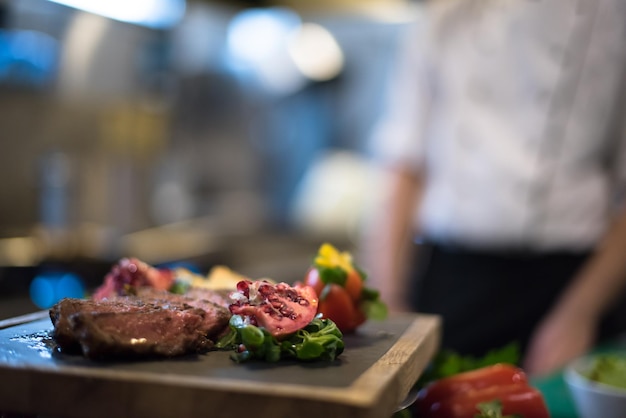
(492, 409)
(180, 287)
(319, 340)
(336, 275)
(371, 305)
(609, 369)
(374, 309)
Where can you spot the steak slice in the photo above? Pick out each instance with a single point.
(61, 312)
(219, 297)
(149, 331)
(216, 318)
(153, 323)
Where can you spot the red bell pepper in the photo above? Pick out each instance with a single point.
(458, 396)
(498, 374)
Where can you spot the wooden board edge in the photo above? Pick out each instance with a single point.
(154, 399)
(402, 365)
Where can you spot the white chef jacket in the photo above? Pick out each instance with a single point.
(513, 107)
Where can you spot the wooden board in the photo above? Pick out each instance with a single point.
(381, 363)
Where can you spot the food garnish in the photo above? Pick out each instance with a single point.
(340, 285)
(275, 321)
(319, 340)
(280, 309)
(219, 278)
(131, 273)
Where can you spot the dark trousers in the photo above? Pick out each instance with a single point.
(490, 299)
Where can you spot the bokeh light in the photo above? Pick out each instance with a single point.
(47, 289)
(315, 52)
(258, 46)
(158, 14)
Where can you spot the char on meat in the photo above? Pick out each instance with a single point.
(153, 323)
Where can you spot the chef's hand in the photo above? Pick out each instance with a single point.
(570, 329)
(560, 337)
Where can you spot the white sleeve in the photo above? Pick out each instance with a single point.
(398, 136)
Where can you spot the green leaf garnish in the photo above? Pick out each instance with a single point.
(369, 294)
(333, 275)
(319, 340)
(374, 309)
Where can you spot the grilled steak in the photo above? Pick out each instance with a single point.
(216, 318)
(152, 331)
(61, 313)
(219, 297)
(153, 323)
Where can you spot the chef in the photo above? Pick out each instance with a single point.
(504, 146)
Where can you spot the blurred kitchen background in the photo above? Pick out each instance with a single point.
(200, 132)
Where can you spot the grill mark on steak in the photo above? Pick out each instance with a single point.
(152, 323)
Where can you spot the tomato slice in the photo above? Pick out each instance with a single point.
(281, 309)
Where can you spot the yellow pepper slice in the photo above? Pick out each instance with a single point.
(330, 257)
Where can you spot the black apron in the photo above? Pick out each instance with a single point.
(489, 299)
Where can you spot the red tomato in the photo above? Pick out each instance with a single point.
(314, 280)
(338, 307)
(354, 285)
(338, 303)
(280, 309)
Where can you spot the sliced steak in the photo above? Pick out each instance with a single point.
(217, 316)
(152, 323)
(60, 315)
(150, 331)
(219, 297)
